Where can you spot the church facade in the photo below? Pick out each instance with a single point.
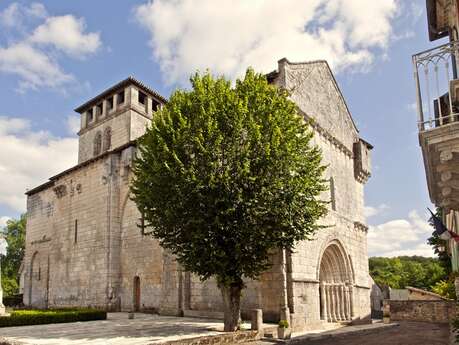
(85, 245)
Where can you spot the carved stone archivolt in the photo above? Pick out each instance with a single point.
(336, 289)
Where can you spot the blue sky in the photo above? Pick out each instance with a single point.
(54, 55)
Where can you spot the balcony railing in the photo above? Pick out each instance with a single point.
(437, 86)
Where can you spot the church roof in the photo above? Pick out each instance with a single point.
(128, 81)
(52, 179)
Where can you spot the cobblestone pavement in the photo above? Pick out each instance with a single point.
(407, 333)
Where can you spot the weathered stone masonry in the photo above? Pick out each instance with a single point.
(84, 246)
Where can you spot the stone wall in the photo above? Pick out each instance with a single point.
(425, 311)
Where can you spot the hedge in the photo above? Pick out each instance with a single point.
(12, 301)
(40, 317)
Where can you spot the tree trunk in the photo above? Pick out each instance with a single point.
(232, 301)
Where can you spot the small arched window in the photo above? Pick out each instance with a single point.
(97, 143)
(107, 139)
(332, 194)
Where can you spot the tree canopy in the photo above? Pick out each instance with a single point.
(227, 174)
(14, 233)
(402, 271)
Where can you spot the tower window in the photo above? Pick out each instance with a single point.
(99, 109)
(107, 139)
(120, 98)
(142, 98)
(154, 105)
(97, 143)
(109, 103)
(89, 116)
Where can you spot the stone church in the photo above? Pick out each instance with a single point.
(85, 245)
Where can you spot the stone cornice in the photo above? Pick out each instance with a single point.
(110, 116)
(328, 136)
(360, 226)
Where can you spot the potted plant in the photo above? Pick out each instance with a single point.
(283, 330)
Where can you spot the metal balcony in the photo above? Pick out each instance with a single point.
(437, 86)
(437, 95)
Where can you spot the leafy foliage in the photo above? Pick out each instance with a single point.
(403, 271)
(14, 233)
(40, 317)
(227, 174)
(283, 324)
(445, 288)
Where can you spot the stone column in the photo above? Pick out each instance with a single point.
(333, 304)
(323, 300)
(339, 303)
(104, 108)
(343, 303)
(347, 302)
(329, 303)
(115, 102)
(257, 321)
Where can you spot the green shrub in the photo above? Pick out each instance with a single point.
(13, 301)
(40, 317)
(445, 288)
(283, 324)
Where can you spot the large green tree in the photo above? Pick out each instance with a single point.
(226, 175)
(14, 233)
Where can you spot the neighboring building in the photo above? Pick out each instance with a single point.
(437, 86)
(415, 294)
(84, 246)
(376, 298)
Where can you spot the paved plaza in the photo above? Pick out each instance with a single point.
(153, 329)
(406, 333)
(116, 330)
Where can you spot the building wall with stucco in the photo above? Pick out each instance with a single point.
(85, 245)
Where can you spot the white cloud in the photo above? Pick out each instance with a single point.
(73, 124)
(187, 35)
(67, 33)
(400, 237)
(370, 211)
(15, 14)
(33, 66)
(34, 57)
(3, 221)
(28, 158)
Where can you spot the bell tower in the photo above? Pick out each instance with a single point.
(116, 117)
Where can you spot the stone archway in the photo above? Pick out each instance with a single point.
(335, 277)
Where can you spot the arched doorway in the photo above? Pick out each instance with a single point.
(136, 293)
(335, 289)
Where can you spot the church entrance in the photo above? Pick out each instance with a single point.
(136, 293)
(335, 289)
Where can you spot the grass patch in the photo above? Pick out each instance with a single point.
(41, 317)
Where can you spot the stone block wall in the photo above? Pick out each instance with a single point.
(425, 311)
(66, 239)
